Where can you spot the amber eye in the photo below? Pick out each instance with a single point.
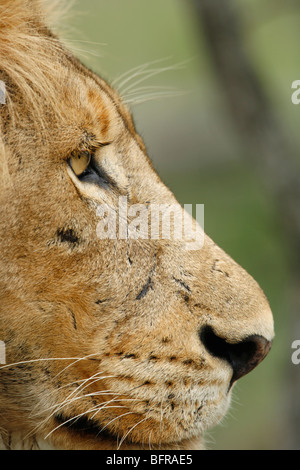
(80, 161)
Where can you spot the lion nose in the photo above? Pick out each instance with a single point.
(243, 356)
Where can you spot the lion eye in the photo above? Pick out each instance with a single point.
(80, 161)
(87, 170)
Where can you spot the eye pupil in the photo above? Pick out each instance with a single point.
(79, 162)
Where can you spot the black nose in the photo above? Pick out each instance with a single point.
(242, 356)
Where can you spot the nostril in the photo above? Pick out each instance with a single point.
(242, 356)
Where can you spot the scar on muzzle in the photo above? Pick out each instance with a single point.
(2, 92)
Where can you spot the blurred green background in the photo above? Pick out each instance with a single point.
(195, 149)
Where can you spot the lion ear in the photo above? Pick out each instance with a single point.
(18, 31)
(17, 18)
(20, 15)
(26, 48)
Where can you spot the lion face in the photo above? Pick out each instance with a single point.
(111, 341)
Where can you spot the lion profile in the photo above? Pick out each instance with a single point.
(111, 342)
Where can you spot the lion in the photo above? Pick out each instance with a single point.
(112, 340)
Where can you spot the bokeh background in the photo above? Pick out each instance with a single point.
(163, 57)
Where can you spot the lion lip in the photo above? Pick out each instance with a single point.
(90, 429)
(84, 425)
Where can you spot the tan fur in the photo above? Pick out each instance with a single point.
(90, 339)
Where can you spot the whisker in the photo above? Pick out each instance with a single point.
(74, 391)
(75, 362)
(42, 423)
(81, 387)
(114, 399)
(71, 400)
(86, 52)
(117, 417)
(52, 392)
(131, 429)
(74, 418)
(88, 382)
(154, 96)
(146, 74)
(128, 75)
(101, 406)
(73, 396)
(68, 400)
(37, 360)
(149, 88)
(58, 407)
(95, 43)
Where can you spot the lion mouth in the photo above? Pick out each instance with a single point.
(100, 437)
(84, 426)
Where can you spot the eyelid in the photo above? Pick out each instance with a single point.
(103, 144)
(105, 178)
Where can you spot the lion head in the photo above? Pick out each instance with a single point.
(114, 337)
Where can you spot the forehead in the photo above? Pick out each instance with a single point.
(102, 105)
